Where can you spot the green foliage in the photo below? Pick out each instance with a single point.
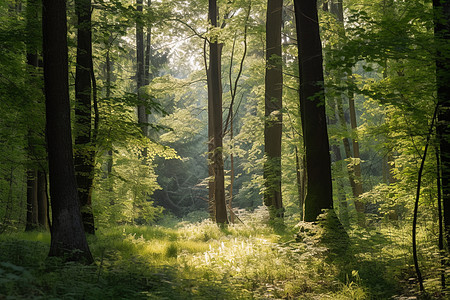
(243, 261)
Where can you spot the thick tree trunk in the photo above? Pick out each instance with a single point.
(68, 239)
(442, 37)
(273, 106)
(215, 54)
(312, 103)
(84, 154)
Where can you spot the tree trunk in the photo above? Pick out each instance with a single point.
(211, 203)
(42, 200)
(312, 103)
(342, 199)
(230, 202)
(148, 74)
(215, 54)
(32, 36)
(68, 239)
(84, 154)
(442, 36)
(360, 207)
(273, 106)
(32, 200)
(140, 72)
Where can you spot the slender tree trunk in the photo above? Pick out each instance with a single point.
(33, 35)
(84, 154)
(230, 117)
(42, 200)
(357, 165)
(211, 202)
(273, 106)
(109, 153)
(442, 36)
(230, 202)
(440, 223)
(342, 199)
(312, 103)
(148, 74)
(215, 54)
(32, 200)
(416, 204)
(301, 181)
(140, 72)
(346, 143)
(68, 239)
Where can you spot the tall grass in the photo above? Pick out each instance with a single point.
(202, 261)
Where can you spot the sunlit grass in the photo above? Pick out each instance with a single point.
(248, 260)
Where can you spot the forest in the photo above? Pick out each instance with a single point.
(224, 149)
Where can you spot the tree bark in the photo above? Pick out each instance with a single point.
(43, 216)
(68, 239)
(312, 103)
(33, 33)
(360, 207)
(342, 199)
(215, 54)
(442, 36)
(140, 72)
(148, 74)
(37, 202)
(84, 154)
(32, 200)
(273, 106)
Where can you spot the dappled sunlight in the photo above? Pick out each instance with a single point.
(203, 261)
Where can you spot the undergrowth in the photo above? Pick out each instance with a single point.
(202, 261)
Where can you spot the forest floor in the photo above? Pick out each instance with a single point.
(199, 260)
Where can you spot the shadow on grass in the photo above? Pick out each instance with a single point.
(359, 258)
(27, 273)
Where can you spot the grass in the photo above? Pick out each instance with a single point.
(203, 261)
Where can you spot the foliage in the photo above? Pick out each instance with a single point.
(202, 261)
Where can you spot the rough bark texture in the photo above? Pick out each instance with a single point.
(215, 53)
(84, 152)
(273, 106)
(442, 36)
(68, 239)
(312, 104)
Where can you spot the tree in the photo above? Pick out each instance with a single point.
(273, 106)
(215, 111)
(37, 212)
(140, 72)
(312, 105)
(84, 152)
(67, 236)
(442, 37)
